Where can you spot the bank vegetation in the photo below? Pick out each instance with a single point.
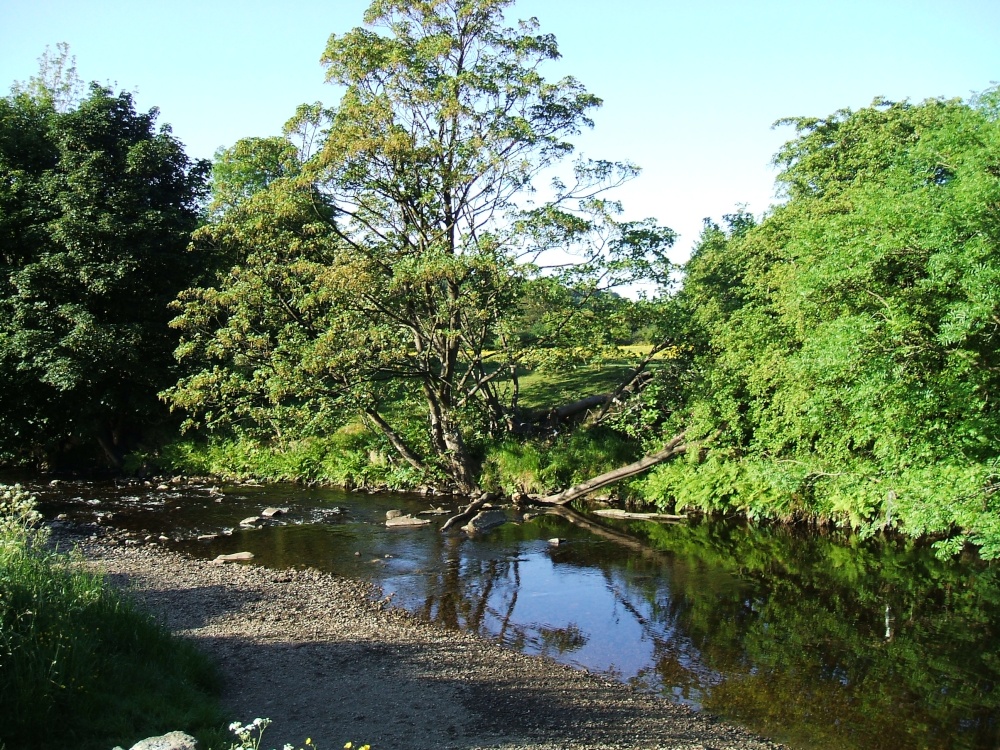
(421, 286)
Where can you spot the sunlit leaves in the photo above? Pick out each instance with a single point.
(386, 264)
(853, 332)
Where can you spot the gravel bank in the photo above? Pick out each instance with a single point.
(323, 659)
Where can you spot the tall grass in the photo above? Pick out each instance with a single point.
(350, 457)
(546, 465)
(80, 665)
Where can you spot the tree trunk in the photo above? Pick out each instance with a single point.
(397, 442)
(446, 439)
(557, 415)
(460, 462)
(108, 440)
(673, 448)
(549, 419)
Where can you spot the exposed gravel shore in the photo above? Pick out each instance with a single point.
(323, 658)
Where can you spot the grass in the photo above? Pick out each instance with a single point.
(547, 387)
(546, 465)
(541, 390)
(80, 664)
(355, 456)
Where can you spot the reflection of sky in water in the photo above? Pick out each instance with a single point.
(584, 616)
(547, 600)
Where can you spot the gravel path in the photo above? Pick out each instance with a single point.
(323, 659)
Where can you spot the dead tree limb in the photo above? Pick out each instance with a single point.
(673, 448)
(630, 385)
(393, 437)
(470, 510)
(601, 403)
(549, 419)
(554, 416)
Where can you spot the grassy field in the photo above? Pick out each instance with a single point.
(542, 388)
(354, 455)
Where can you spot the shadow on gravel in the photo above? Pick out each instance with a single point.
(325, 666)
(188, 609)
(418, 695)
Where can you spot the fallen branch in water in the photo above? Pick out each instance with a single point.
(629, 516)
(675, 447)
(470, 510)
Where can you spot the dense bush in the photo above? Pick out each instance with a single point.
(846, 345)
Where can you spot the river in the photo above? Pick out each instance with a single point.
(816, 639)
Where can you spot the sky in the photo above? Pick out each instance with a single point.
(691, 88)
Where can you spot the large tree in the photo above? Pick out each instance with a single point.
(395, 273)
(96, 211)
(850, 340)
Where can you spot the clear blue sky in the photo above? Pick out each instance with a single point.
(690, 87)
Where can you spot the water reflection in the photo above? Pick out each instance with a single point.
(819, 641)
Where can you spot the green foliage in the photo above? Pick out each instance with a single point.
(96, 211)
(80, 665)
(388, 257)
(846, 346)
(351, 457)
(545, 466)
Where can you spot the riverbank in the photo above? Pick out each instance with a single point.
(326, 659)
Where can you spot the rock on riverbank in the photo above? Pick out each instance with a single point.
(324, 658)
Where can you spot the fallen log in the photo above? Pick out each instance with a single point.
(675, 447)
(630, 516)
(554, 416)
(549, 419)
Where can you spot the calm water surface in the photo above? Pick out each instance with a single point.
(814, 640)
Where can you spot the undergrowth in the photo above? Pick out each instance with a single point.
(352, 457)
(547, 465)
(80, 665)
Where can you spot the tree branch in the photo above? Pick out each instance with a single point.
(397, 442)
(675, 447)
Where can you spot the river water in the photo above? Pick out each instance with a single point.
(816, 640)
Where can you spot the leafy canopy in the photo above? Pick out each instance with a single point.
(96, 211)
(383, 271)
(849, 341)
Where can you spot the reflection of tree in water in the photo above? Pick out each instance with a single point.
(481, 595)
(678, 668)
(564, 640)
(786, 634)
(644, 583)
(460, 595)
(828, 645)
